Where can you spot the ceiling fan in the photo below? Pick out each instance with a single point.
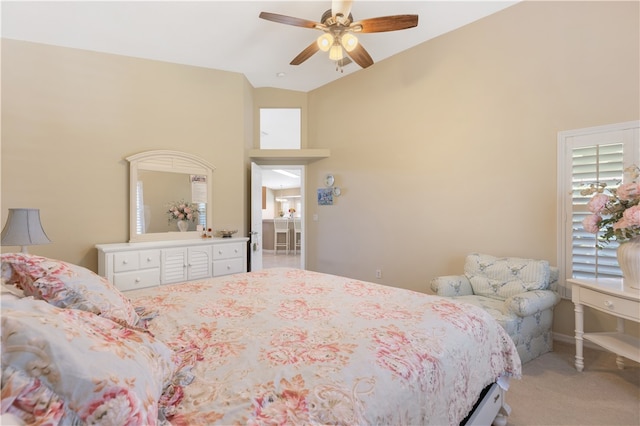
(338, 29)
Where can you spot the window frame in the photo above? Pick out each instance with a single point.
(567, 141)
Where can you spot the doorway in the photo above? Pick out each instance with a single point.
(281, 196)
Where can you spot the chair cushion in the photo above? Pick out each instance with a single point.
(503, 277)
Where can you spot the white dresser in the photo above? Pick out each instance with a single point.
(615, 298)
(137, 265)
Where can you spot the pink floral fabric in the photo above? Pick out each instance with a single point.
(286, 346)
(67, 366)
(66, 285)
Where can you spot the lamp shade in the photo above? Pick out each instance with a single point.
(325, 41)
(335, 52)
(349, 42)
(23, 228)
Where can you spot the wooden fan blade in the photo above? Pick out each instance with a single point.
(360, 56)
(305, 54)
(385, 23)
(342, 7)
(290, 20)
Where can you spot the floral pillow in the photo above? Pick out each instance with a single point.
(66, 285)
(75, 367)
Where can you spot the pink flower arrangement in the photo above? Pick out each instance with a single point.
(183, 210)
(616, 213)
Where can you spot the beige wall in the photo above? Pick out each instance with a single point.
(450, 147)
(70, 117)
(445, 149)
(277, 98)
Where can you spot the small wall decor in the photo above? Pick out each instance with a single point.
(325, 196)
(328, 180)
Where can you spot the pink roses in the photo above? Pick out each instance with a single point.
(183, 211)
(618, 214)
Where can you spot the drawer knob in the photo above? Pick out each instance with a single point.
(608, 304)
(124, 262)
(219, 251)
(137, 280)
(228, 267)
(149, 259)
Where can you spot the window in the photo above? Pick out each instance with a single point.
(141, 221)
(594, 155)
(202, 217)
(280, 128)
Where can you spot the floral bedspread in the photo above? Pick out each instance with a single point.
(287, 346)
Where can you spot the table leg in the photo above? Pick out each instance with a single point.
(579, 332)
(620, 329)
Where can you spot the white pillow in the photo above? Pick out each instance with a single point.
(9, 290)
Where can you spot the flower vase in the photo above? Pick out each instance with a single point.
(629, 260)
(183, 225)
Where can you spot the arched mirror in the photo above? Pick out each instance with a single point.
(164, 181)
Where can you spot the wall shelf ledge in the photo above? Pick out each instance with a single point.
(289, 155)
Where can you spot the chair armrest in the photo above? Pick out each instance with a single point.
(530, 302)
(451, 285)
(554, 273)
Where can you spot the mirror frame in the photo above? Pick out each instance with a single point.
(173, 162)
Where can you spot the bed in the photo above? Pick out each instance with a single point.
(278, 346)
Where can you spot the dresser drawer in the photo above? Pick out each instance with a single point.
(228, 251)
(125, 261)
(228, 266)
(609, 303)
(137, 279)
(149, 259)
(134, 260)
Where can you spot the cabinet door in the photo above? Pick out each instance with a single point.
(199, 265)
(174, 265)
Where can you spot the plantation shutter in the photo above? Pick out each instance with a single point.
(593, 164)
(140, 222)
(202, 215)
(585, 156)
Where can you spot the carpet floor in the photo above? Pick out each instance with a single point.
(553, 392)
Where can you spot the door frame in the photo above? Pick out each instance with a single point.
(303, 201)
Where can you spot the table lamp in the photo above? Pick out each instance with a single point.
(23, 228)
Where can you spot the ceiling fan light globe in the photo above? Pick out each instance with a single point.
(349, 42)
(325, 41)
(335, 53)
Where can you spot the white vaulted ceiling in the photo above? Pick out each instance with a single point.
(228, 35)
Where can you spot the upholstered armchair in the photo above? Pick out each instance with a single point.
(519, 293)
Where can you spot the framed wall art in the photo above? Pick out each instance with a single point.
(325, 196)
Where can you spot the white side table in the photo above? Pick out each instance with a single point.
(613, 297)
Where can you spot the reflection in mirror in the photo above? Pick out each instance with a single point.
(152, 201)
(159, 179)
